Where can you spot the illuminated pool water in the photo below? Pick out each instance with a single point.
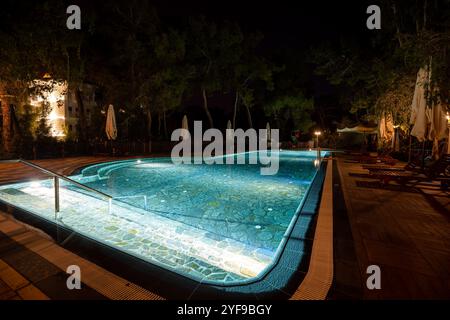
(213, 223)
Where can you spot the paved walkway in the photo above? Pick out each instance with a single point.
(405, 231)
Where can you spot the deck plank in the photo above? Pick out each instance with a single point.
(404, 230)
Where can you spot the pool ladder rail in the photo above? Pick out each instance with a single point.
(56, 176)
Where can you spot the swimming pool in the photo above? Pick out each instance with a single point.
(218, 224)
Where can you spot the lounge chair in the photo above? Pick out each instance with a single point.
(375, 167)
(432, 169)
(440, 167)
(404, 177)
(384, 157)
(410, 166)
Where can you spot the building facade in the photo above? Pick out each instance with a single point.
(63, 114)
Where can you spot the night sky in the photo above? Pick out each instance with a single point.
(290, 23)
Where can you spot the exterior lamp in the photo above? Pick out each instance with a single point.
(317, 134)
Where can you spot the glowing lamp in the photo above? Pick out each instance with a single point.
(35, 184)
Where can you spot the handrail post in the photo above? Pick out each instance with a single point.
(56, 186)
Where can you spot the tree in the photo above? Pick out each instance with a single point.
(27, 51)
(250, 74)
(213, 51)
(296, 109)
(379, 75)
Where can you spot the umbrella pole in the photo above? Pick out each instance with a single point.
(409, 153)
(423, 154)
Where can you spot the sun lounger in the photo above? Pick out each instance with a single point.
(381, 158)
(404, 177)
(382, 167)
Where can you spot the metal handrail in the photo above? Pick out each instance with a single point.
(135, 196)
(58, 176)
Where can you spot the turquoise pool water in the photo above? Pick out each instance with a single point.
(213, 223)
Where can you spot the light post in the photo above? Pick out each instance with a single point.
(317, 134)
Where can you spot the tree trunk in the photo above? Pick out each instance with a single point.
(149, 124)
(82, 134)
(400, 42)
(425, 4)
(249, 116)
(235, 109)
(165, 124)
(417, 18)
(205, 106)
(159, 124)
(149, 128)
(7, 124)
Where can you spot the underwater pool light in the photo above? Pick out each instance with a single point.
(35, 184)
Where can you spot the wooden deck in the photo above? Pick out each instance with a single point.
(10, 172)
(403, 230)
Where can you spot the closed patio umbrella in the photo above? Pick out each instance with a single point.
(268, 135)
(438, 127)
(229, 134)
(419, 118)
(111, 127)
(184, 125)
(229, 125)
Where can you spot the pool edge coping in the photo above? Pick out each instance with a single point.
(319, 277)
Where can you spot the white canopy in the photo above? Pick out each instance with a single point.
(359, 129)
